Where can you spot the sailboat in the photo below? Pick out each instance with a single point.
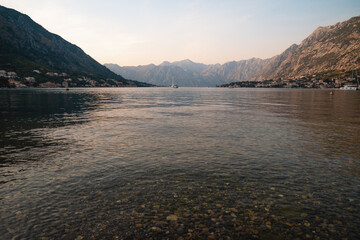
(173, 85)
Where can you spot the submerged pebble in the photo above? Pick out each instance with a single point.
(172, 218)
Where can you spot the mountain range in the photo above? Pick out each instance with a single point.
(328, 51)
(25, 46)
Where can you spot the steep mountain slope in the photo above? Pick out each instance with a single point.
(274, 63)
(327, 49)
(25, 45)
(233, 71)
(331, 48)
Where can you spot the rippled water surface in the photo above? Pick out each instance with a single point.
(194, 163)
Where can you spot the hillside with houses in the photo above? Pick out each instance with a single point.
(31, 56)
(40, 79)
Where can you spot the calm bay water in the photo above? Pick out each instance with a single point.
(195, 163)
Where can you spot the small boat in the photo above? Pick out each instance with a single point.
(349, 87)
(173, 85)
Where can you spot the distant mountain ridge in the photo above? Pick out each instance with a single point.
(182, 73)
(25, 46)
(327, 49)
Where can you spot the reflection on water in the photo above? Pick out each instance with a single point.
(190, 163)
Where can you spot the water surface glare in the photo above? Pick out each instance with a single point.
(196, 163)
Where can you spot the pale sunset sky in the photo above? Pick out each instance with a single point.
(140, 32)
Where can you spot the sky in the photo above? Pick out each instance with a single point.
(140, 32)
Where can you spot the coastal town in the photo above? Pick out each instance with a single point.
(39, 79)
(301, 82)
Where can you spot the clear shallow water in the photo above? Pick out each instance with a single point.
(188, 162)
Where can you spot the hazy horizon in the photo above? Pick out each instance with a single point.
(150, 32)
